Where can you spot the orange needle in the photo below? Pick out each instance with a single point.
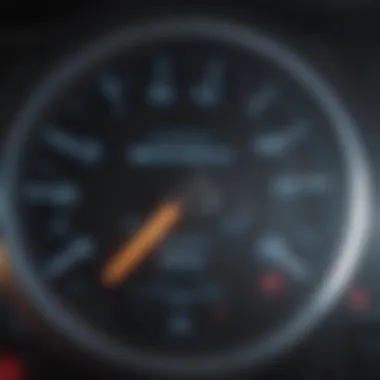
(5, 269)
(151, 233)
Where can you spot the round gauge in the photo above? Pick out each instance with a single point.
(184, 197)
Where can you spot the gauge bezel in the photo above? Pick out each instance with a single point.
(349, 252)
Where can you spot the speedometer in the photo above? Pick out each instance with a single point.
(184, 196)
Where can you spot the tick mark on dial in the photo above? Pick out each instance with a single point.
(84, 150)
(53, 193)
(77, 251)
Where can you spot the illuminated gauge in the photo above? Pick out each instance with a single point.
(184, 197)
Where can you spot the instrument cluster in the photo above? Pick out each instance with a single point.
(193, 195)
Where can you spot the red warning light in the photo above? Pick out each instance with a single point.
(12, 368)
(272, 282)
(359, 299)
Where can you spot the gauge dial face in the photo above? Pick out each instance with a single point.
(185, 198)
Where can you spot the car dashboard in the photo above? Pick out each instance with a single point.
(340, 40)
